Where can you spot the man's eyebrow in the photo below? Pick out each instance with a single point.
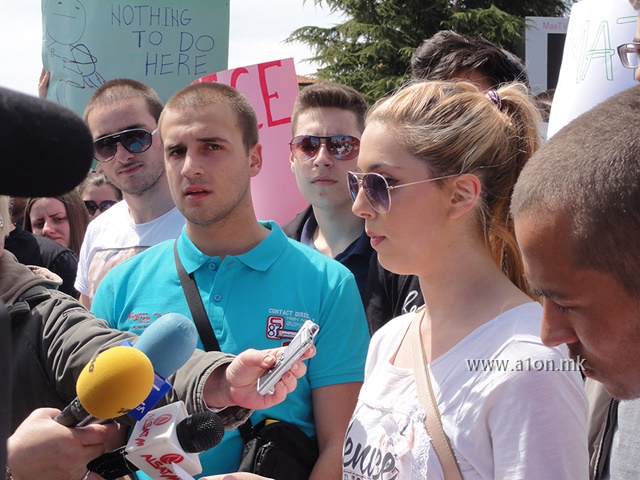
(211, 139)
(547, 292)
(135, 126)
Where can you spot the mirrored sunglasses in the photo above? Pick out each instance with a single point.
(102, 206)
(376, 189)
(136, 140)
(341, 147)
(628, 53)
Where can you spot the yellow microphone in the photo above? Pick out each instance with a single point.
(114, 382)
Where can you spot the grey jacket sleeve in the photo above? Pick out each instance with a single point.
(54, 340)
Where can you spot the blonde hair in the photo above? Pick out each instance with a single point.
(5, 216)
(455, 128)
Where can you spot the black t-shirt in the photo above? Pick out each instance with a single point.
(32, 249)
(389, 295)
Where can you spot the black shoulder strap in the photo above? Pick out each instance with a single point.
(196, 306)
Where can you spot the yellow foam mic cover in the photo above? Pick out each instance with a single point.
(114, 382)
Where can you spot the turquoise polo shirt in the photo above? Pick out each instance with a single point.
(255, 300)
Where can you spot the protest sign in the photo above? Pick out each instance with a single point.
(271, 88)
(166, 44)
(591, 71)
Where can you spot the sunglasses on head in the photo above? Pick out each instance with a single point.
(136, 140)
(377, 190)
(102, 206)
(341, 147)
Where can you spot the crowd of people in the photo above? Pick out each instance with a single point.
(476, 285)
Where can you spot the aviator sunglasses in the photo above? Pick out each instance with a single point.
(136, 140)
(102, 206)
(341, 147)
(377, 190)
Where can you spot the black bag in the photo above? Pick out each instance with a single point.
(278, 450)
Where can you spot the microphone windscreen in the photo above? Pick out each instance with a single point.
(114, 382)
(168, 342)
(200, 432)
(47, 148)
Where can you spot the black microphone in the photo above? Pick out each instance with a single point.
(47, 148)
(195, 434)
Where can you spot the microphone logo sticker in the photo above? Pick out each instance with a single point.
(170, 458)
(162, 419)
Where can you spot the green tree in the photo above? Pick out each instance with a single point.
(372, 48)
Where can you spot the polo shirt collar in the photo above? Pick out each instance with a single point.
(259, 258)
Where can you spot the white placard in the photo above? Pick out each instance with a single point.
(591, 71)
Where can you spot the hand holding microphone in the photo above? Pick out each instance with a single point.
(42, 448)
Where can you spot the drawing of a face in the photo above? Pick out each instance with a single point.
(67, 21)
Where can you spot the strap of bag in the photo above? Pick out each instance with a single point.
(199, 314)
(201, 319)
(433, 422)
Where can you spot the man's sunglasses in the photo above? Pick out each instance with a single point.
(628, 53)
(136, 140)
(342, 147)
(377, 190)
(102, 206)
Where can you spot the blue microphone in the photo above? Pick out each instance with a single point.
(168, 342)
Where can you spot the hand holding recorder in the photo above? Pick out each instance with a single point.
(238, 383)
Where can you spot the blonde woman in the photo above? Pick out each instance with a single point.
(437, 166)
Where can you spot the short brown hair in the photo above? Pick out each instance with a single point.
(121, 89)
(589, 172)
(635, 4)
(330, 95)
(204, 94)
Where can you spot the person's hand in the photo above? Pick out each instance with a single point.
(43, 84)
(42, 448)
(236, 476)
(237, 383)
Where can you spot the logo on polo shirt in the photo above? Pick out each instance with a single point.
(284, 324)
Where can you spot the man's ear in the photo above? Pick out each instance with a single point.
(465, 193)
(291, 160)
(255, 159)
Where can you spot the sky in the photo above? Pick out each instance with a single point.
(256, 34)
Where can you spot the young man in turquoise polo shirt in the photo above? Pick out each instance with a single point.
(257, 286)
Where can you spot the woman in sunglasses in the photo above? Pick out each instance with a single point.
(98, 194)
(437, 165)
(63, 219)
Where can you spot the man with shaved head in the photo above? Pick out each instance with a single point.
(576, 208)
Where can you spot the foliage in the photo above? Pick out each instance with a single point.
(371, 50)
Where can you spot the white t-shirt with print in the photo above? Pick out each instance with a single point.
(519, 423)
(113, 237)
